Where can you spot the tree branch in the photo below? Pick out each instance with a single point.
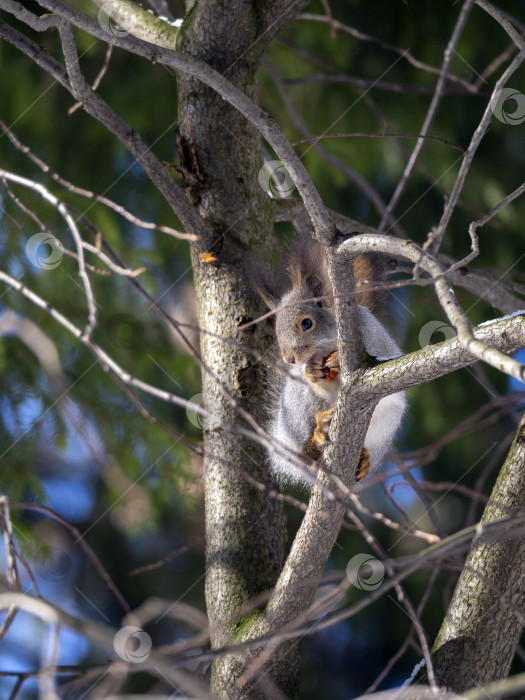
(455, 314)
(436, 99)
(476, 139)
(477, 641)
(104, 637)
(101, 111)
(265, 124)
(139, 22)
(278, 14)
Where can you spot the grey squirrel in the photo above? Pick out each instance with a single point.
(307, 338)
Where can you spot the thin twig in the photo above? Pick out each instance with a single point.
(102, 72)
(118, 208)
(386, 134)
(99, 566)
(436, 99)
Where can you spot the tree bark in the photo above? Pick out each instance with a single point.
(478, 638)
(222, 154)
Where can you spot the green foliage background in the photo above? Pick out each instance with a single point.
(38, 449)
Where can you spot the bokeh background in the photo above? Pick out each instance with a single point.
(122, 481)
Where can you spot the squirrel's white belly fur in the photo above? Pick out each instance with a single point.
(298, 404)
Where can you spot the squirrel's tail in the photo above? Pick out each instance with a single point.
(369, 273)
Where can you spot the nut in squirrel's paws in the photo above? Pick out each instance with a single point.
(325, 371)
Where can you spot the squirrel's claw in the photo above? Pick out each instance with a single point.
(331, 366)
(325, 371)
(332, 361)
(319, 440)
(364, 464)
(320, 437)
(314, 372)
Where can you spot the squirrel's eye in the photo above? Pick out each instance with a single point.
(306, 324)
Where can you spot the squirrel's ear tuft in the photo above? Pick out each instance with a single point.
(313, 286)
(307, 267)
(264, 280)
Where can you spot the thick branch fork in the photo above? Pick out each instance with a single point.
(294, 591)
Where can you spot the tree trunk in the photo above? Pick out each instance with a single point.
(221, 155)
(478, 638)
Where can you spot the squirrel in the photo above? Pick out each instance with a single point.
(307, 339)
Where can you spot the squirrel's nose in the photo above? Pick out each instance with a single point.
(290, 360)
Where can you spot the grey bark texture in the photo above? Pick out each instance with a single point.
(245, 530)
(484, 622)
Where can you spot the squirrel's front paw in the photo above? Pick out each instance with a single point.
(314, 372)
(325, 371)
(319, 440)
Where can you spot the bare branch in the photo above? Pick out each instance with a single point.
(181, 62)
(426, 536)
(501, 18)
(350, 173)
(62, 209)
(102, 72)
(438, 94)
(104, 637)
(12, 575)
(118, 208)
(477, 137)
(362, 36)
(355, 134)
(80, 539)
(128, 136)
(455, 314)
(140, 23)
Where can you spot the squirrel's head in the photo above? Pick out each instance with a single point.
(306, 329)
